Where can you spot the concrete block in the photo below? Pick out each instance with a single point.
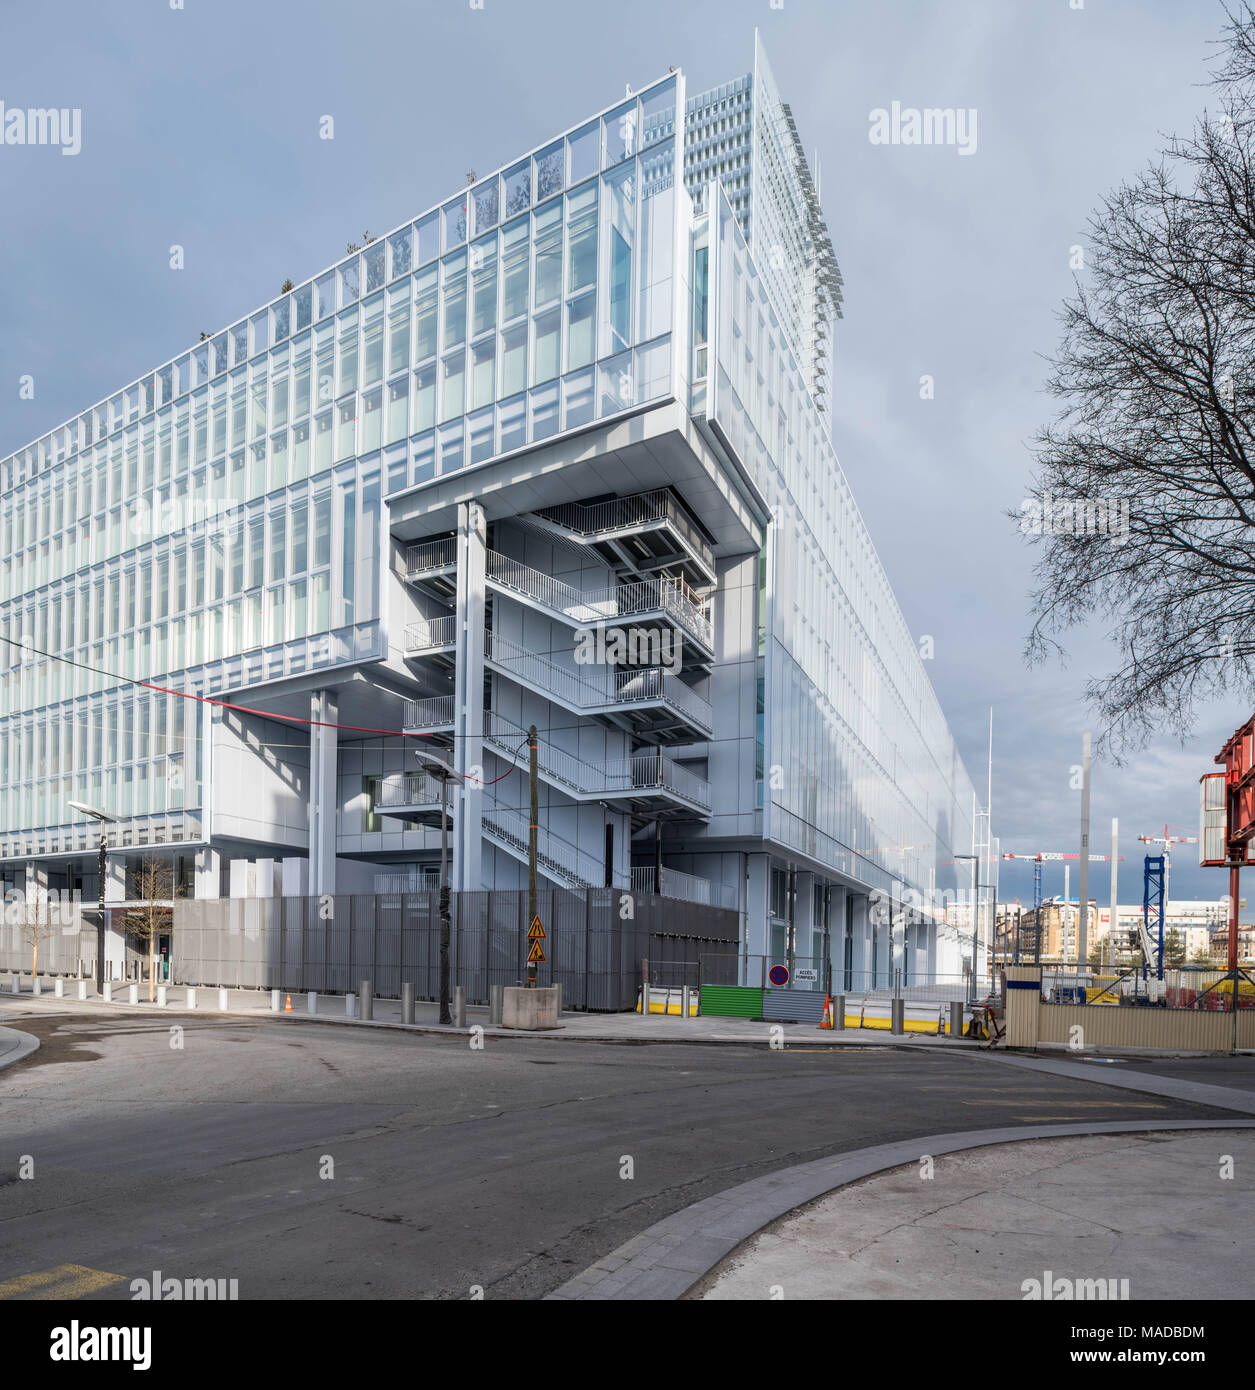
(58, 988)
(132, 994)
(82, 989)
(531, 1010)
(107, 991)
(191, 997)
(223, 1001)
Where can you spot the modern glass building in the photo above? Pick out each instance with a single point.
(556, 452)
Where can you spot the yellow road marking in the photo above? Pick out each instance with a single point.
(65, 1281)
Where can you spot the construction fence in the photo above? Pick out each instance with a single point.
(599, 943)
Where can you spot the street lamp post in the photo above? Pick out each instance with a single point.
(975, 858)
(104, 818)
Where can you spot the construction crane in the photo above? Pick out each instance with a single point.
(1044, 856)
(1155, 896)
(1167, 841)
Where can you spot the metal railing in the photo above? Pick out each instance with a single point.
(426, 634)
(407, 789)
(428, 714)
(644, 771)
(655, 770)
(554, 855)
(688, 888)
(625, 513)
(585, 607)
(653, 683)
(425, 556)
(638, 685)
(416, 881)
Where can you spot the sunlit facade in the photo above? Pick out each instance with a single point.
(555, 452)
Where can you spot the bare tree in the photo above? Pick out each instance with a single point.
(1143, 508)
(36, 925)
(156, 888)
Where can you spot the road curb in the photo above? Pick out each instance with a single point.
(665, 1261)
(15, 1045)
(563, 1033)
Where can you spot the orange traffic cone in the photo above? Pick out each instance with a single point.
(287, 1007)
(826, 1021)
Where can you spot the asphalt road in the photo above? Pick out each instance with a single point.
(312, 1161)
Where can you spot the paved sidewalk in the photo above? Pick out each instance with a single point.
(1151, 1209)
(583, 1027)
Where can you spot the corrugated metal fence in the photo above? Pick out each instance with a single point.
(330, 944)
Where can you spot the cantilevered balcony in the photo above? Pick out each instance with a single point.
(643, 531)
(433, 715)
(647, 781)
(645, 698)
(670, 602)
(432, 565)
(411, 796)
(431, 639)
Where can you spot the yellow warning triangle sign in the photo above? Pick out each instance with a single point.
(537, 932)
(536, 953)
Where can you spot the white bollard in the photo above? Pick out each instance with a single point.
(276, 1004)
(35, 987)
(59, 988)
(82, 989)
(350, 1006)
(191, 996)
(223, 1002)
(133, 994)
(15, 985)
(161, 996)
(107, 991)
(311, 1002)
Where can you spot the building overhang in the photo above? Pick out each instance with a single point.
(658, 446)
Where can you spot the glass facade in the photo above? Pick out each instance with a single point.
(859, 767)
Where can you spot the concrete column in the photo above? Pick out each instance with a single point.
(467, 840)
(757, 888)
(208, 873)
(838, 934)
(804, 919)
(324, 710)
(862, 940)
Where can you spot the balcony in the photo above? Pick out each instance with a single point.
(428, 716)
(411, 796)
(432, 565)
(661, 600)
(431, 638)
(643, 530)
(645, 697)
(647, 781)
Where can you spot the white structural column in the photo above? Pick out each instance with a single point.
(208, 873)
(804, 920)
(836, 936)
(861, 931)
(468, 746)
(323, 741)
(757, 937)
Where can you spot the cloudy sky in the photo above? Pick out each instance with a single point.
(200, 127)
